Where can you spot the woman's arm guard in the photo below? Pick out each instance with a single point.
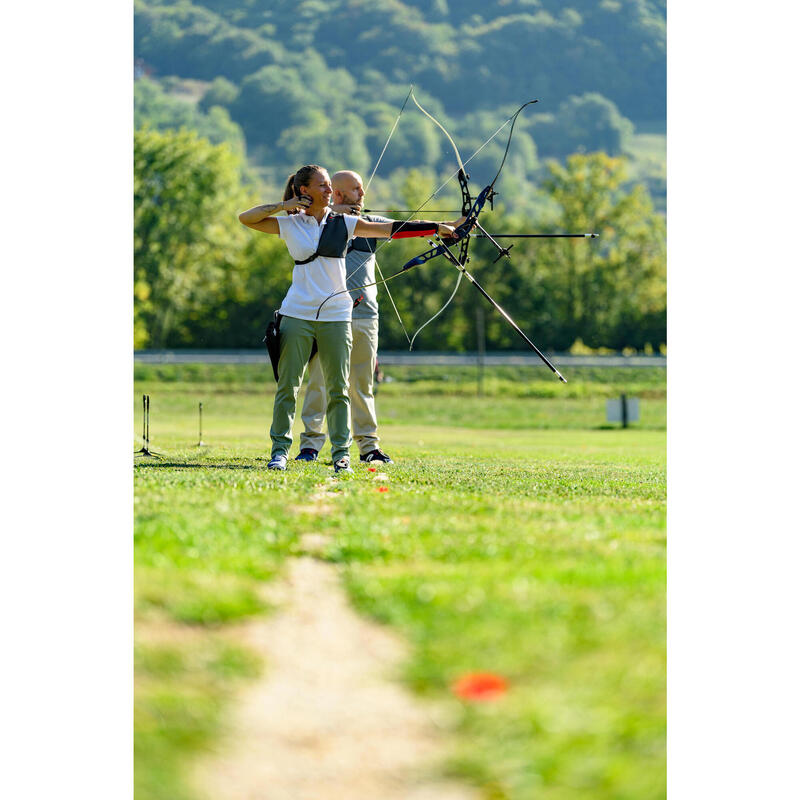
(405, 230)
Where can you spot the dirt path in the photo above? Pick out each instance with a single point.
(326, 721)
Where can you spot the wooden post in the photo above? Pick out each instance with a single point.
(200, 442)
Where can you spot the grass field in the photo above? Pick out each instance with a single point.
(517, 533)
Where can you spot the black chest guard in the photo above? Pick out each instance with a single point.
(332, 240)
(362, 245)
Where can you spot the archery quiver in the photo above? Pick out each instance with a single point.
(272, 339)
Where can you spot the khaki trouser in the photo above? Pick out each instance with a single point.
(334, 340)
(362, 401)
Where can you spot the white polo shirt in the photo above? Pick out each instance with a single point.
(313, 282)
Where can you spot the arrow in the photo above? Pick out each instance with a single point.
(409, 211)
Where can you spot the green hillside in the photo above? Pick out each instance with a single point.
(322, 81)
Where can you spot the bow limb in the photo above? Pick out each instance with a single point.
(366, 188)
(466, 206)
(513, 121)
(442, 129)
(450, 257)
(455, 289)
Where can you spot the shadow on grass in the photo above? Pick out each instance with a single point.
(184, 465)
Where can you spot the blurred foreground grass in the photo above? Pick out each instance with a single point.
(517, 534)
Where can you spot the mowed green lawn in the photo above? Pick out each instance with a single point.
(517, 534)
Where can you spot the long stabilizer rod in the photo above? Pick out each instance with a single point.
(511, 322)
(514, 325)
(535, 235)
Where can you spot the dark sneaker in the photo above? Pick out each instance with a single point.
(342, 466)
(377, 455)
(307, 454)
(277, 462)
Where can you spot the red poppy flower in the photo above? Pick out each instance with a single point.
(371, 469)
(383, 488)
(480, 686)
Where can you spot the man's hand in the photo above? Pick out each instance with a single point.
(446, 231)
(347, 208)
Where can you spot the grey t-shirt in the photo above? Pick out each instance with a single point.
(360, 265)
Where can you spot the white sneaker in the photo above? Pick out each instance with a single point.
(342, 466)
(277, 462)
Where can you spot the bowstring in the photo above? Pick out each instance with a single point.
(366, 189)
(389, 138)
(461, 170)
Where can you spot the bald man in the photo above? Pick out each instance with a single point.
(348, 197)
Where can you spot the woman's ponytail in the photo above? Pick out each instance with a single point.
(288, 192)
(298, 179)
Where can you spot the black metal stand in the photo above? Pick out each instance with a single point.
(145, 450)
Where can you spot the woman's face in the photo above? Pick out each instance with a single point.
(318, 188)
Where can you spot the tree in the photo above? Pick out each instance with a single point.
(242, 302)
(610, 292)
(271, 100)
(590, 122)
(415, 141)
(186, 238)
(158, 109)
(221, 93)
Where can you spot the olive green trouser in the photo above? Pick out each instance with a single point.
(334, 340)
(362, 399)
